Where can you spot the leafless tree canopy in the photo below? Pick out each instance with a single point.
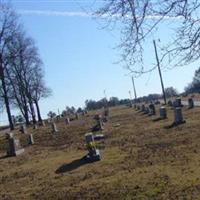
(21, 73)
(141, 17)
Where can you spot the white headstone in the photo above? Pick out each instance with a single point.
(30, 139)
(54, 128)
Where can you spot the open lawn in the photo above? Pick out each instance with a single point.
(141, 159)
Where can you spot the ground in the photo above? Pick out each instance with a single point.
(142, 158)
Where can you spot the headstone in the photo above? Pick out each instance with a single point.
(178, 117)
(177, 103)
(93, 152)
(54, 128)
(30, 139)
(163, 113)
(106, 112)
(23, 129)
(42, 123)
(67, 121)
(35, 127)
(77, 116)
(143, 108)
(190, 103)
(152, 109)
(58, 117)
(14, 147)
(100, 123)
(146, 110)
(99, 137)
(169, 103)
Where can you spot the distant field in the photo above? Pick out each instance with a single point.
(141, 159)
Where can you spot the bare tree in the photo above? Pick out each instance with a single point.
(140, 18)
(26, 76)
(38, 88)
(8, 27)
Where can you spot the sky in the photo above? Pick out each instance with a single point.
(80, 56)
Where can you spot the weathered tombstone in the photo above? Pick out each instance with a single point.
(146, 110)
(152, 109)
(58, 118)
(23, 129)
(35, 127)
(99, 137)
(190, 103)
(14, 147)
(77, 116)
(54, 128)
(100, 124)
(178, 117)
(42, 123)
(177, 103)
(143, 108)
(30, 139)
(93, 152)
(170, 103)
(67, 121)
(106, 111)
(163, 113)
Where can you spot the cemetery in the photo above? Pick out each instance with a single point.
(138, 158)
(81, 121)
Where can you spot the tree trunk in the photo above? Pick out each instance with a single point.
(32, 112)
(38, 111)
(5, 96)
(25, 107)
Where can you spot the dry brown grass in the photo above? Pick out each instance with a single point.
(141, 159)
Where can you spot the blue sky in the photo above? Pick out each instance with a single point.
(79, 55)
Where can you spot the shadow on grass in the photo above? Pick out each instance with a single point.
(158, 119)
(4, 157)
(174, 125)
(72, 166)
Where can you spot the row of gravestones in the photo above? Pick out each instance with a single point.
(176, 105)
(93, 151)
(14, 147)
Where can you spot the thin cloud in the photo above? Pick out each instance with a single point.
(54, 13)
(85, 14)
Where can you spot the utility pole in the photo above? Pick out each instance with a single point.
(159, 70)
(134, 89)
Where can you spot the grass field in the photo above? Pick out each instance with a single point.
(141, 159)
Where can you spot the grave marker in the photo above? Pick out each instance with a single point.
(93, 152)
(152, 109)
(30, 139)
(23, 129)
(54, 128)
(163, 112)
(14, 147)
(35, 127)
(177, 103)
(190, 103)
(178, 117)
(77, 116)
(67, 121)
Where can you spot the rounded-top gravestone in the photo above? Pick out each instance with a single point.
(163, 112)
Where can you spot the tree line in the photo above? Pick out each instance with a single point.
(21, 69)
